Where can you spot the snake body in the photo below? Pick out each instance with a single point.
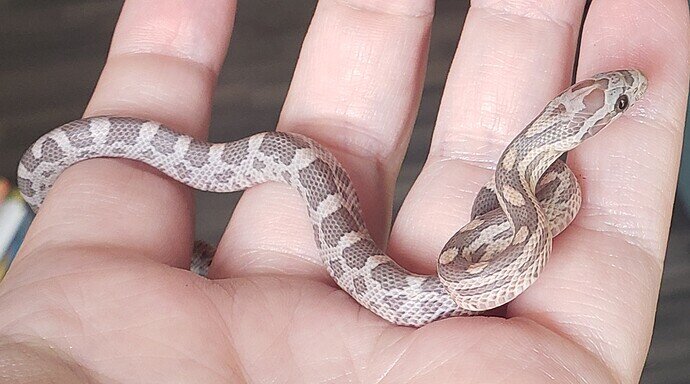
(497, 255)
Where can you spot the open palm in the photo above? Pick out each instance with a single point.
(100, 292)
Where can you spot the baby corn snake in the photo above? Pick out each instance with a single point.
(532, 197)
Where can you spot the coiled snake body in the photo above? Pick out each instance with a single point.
(497, 255)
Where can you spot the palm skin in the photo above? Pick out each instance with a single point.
(99, 291)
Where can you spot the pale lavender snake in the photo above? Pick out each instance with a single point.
(496, 256)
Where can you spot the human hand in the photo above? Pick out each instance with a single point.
(99, 289)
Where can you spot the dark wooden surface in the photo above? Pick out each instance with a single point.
(51, 53)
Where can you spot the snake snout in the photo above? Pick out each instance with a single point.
(641, 86)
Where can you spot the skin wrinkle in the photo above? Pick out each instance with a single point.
(149, 100)
(341, 117)
(428, 367)
(483, 146)
(629, 192)
(617, 235)
(298, 250)
(642, 180)
(369, 145)
(401, 336)
(73, 272)
(353, 371)
(77, 315)
(32, 315)
(616, 229)
(349, 138)
(469, 188)
(518, 341)
(344, 345)
(394, 362)
(24, 360)
(230, 345)
(189, 62)
(54, 236)
(499, 130)
(229, 319)
(586, 339)
(289, 257)
(575, 375)
(624, 211)
(187, 356)
(385, 8)
(169, 30)
(512, 16)
(290, 347)
(535, 9)
(580, 347)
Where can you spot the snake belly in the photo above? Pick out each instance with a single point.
(497, 255)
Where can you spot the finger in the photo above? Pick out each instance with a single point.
(355, 90)
(512, 58)
(600, 287)
(162, 65)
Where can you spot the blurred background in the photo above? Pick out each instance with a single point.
(52, 51)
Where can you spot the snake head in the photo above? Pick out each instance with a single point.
(598, 101)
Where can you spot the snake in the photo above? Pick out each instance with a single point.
(531, 197)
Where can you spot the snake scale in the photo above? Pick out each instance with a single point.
(532, 197)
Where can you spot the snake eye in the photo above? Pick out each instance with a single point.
(622, 103)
